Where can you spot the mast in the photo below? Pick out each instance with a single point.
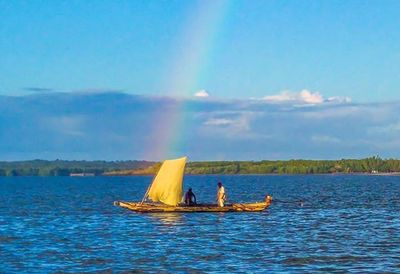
(147, 192)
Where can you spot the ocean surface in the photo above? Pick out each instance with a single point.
(67, 224)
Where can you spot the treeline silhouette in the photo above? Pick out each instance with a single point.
(367, 165)
(123, 168)
(65, 168)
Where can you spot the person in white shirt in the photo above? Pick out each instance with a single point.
(221, 197)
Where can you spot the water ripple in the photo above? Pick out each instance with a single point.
(317, 224)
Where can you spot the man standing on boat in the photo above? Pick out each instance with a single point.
(221, 197)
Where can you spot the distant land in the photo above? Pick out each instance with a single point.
(372, 165)
(68, 168)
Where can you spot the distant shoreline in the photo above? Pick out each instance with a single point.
(373, 166)
(267, 174)
(221, 174)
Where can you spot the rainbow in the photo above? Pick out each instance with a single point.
(185, 75)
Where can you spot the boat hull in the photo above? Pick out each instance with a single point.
(153, 208)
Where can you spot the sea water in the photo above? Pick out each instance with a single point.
(316, 223)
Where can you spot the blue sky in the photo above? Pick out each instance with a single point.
(339, 48)
(280, 79)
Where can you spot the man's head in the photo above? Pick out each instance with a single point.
(219, 184)
(190, 189)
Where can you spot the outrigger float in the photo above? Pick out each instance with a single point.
(166, 191)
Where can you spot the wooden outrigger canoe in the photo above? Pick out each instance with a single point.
(166, 193)
(155, 207)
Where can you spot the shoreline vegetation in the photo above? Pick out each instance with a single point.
(68, 168)
(373, 165)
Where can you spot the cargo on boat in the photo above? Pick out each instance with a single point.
(166, 191)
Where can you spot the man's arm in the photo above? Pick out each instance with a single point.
(223, 194)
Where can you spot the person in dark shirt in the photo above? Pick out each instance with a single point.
(190, 198)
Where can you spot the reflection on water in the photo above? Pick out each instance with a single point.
(168, 218)
(347, 223)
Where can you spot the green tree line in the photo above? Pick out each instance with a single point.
(367, 165)
(120, 168)
(65, 168)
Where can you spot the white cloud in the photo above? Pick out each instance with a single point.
(324, 139)
(339, 99)
(237, 124)
(232, 125)
(235, 120)
(219, 122)
(202, 93)
(304, 97)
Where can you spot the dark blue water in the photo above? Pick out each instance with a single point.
(347, 223)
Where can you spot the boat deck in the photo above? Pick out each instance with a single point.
(153, 207)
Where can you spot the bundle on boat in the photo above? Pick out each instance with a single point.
(166, 190)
